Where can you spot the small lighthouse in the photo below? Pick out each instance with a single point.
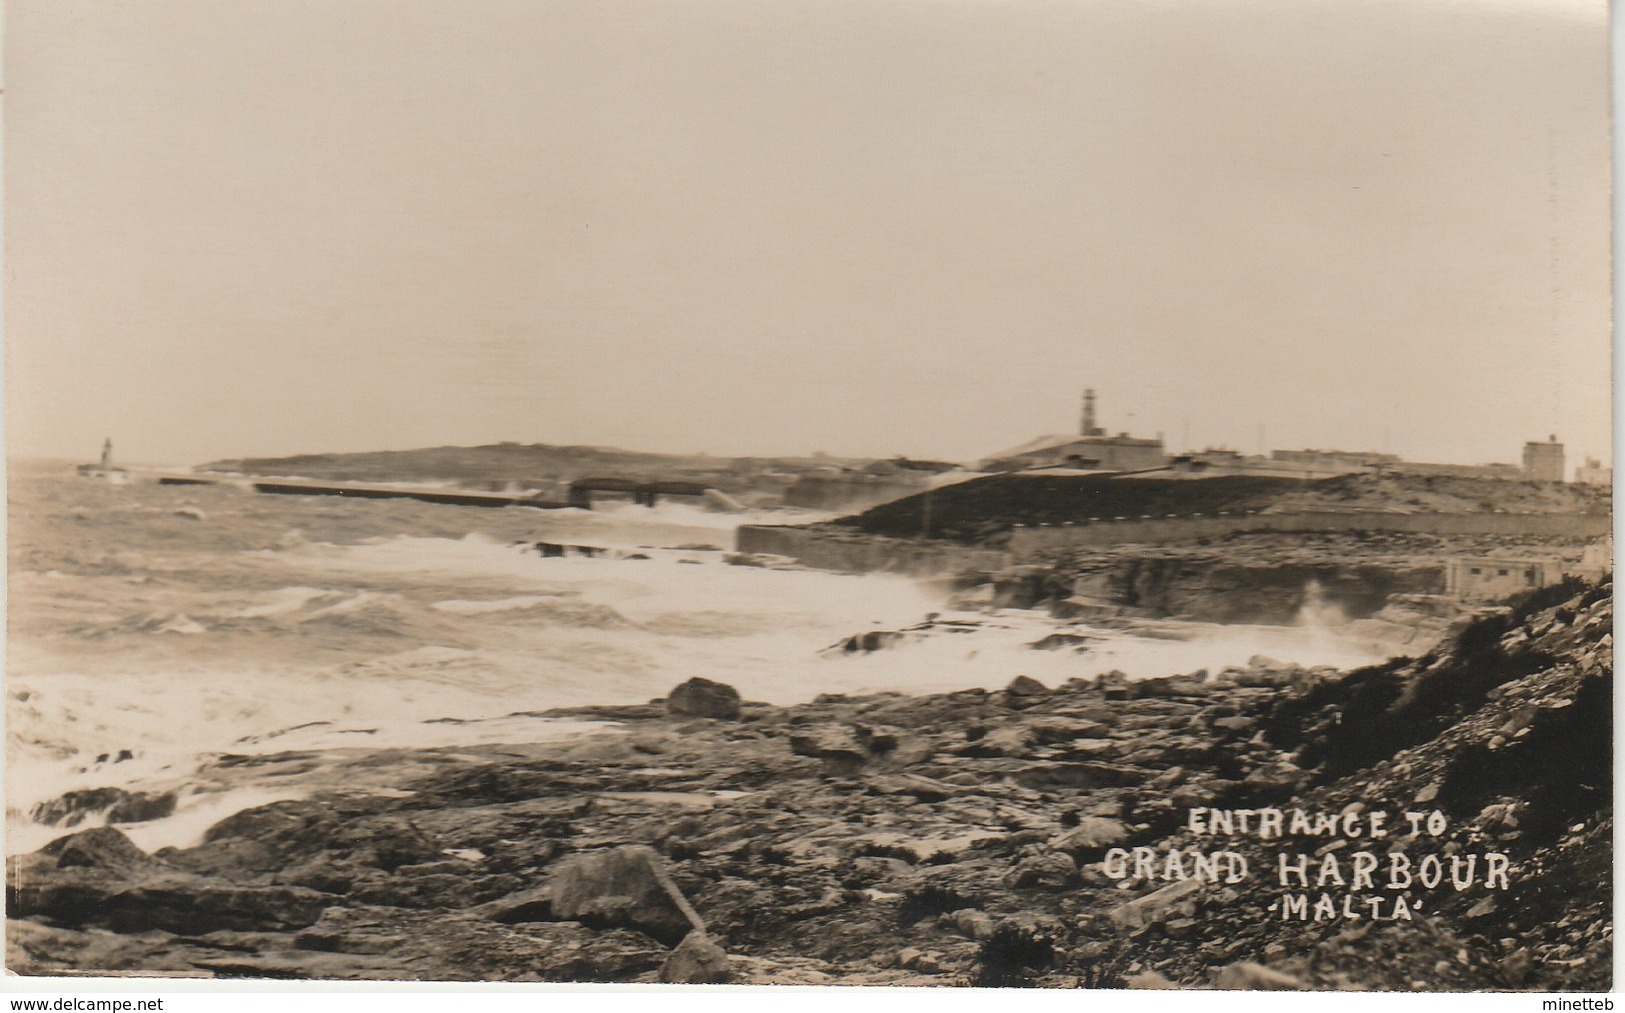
(1087, 426)
(104, 469)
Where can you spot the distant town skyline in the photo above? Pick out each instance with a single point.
(868, 229)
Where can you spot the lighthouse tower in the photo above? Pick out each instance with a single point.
(1087, 426)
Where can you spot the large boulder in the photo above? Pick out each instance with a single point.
(696, 961)
(702, 698)
(626, 887)
(1026, 685)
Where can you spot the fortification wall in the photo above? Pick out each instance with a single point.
(1028, 541)
(859, 553)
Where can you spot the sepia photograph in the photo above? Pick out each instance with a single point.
(1023, 494)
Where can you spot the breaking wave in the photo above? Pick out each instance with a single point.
(146, 646)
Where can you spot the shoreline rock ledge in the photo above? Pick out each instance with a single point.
(946, 839)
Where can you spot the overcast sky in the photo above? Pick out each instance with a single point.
(777, 226)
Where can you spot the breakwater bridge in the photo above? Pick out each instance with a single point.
(642, 493)
(580, 493)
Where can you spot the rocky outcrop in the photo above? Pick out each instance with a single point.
(625, 887)
(114, 805)
(100, 879)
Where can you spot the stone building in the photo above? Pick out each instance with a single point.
(1543, 462)
(1594, 472)
(1597, 561)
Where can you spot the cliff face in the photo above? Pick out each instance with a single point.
(1215, 590)
(955, 839)
(1264, 577)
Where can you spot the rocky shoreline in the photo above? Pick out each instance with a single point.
(950, 839)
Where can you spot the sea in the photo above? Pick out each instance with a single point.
(154, 630)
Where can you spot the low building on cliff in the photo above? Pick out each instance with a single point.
(1087, 453)
(1490, 578)
(1341, 462)
(1214, 462)
(1090, 449)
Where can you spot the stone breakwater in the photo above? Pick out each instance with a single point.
(951, 839)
